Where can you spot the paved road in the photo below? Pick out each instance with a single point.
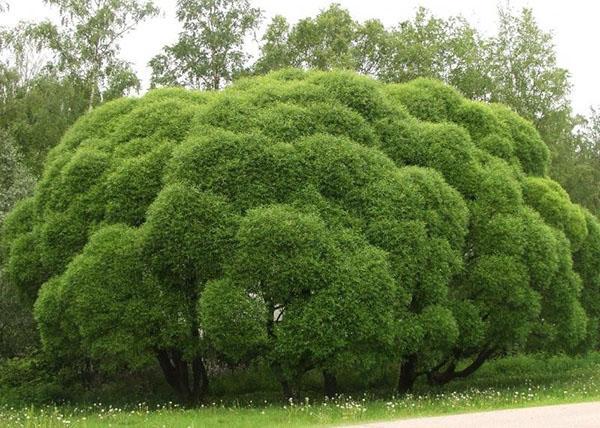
(584, 415)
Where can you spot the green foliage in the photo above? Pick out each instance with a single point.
(309, 220)
(524, 72)
(323, 42)
(499, 281)
(132, 185)
(28, 380)
(15, 179)
(585, 261)
(116, 312)
(425, 46)
(427, 99)
(282, 251)
(493, 128)
(186, 235)
(18, 334)
(576, 165)
(529, 148)
(429, 46)
(555, 206)
(233, 320)
(23, 267)
(37, 113)
(49, 76)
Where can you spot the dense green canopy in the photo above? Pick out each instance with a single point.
(317, 220)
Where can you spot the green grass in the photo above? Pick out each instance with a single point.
(507, 383)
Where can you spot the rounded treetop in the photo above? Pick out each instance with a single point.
(316, 218)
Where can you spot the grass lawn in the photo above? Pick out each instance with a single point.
(509, 382)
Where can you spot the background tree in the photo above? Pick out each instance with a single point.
(17, 330)
(332, 39)
(324, 42)
(525, 74)
(578, 161)
(37, 104)
(446, 49)
(426, 46)
(275, 50)
(210, 50)
(86, 43)
(15, 179)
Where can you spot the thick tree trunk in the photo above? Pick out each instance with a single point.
(329, 384)
(177, 374)
(441, 378)
(408, 375)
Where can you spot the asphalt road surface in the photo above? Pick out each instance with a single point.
(583, 415)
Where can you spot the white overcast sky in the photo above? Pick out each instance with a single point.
(574, 24)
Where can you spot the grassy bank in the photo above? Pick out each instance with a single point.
(509, 382)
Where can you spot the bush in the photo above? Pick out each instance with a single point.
(28, 380)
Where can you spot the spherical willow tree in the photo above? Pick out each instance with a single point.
(317, 221)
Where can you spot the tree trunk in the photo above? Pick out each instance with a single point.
(177, 374)
(289, 392)
(441, 378)
(87, 374)
(94, 78)
(329, 384)
(408, 375)
(92, 98)
(200, 378)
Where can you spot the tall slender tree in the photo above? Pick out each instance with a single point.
(87, 42)
(210, 50)
(332, 39)
(448, 49)
(526, 76)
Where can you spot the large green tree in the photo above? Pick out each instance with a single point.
(315, 220)
(210, 50)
